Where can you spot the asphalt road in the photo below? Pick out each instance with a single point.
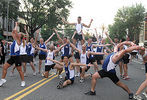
(39, 88)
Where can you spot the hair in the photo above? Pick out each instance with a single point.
(68, 56)
(65, 37)
(79, 17)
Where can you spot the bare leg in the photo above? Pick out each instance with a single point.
(5, 67)
(123, 86)
(32, 66)
(142, 87)
(120, 68)
(20, 72)
(40, 63)
(67, 82)
(95, 76)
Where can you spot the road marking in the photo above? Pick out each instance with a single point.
(14, 95)
(35, 88)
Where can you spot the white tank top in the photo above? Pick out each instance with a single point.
(79, 28)
(83, 58)
(49, 55)
(23, 50)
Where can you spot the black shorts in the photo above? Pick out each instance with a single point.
(78, 37)
(110, 75)
(145, 67)
(126, 59)
(133, 53)
(30, 58)
(49, 67)
(67, 56)
(88, 67)
(72, 80)
(42, 57)
(98, 57)
(14, 59)
(77, 55)
(24, 58)
(91, 60)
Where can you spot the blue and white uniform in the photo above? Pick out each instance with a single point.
(30, 50)
(69, 73)
(66, 50)
(42, 54)
(15, 54)
(50, 54)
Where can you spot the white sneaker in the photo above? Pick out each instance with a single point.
(81, 80)
(77, 75)
(60, 76)
(137, 97)
(23, 83)
(34, 74)
(2, 81)
(145, 94)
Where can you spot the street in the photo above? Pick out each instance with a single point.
(39, 88)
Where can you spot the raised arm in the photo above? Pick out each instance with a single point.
(55, 51)
(58, 36)
(66, 22)
(74, 47)
(27, 34)
(102, 45)
(88, 26)
(109, 38)
(80, 64)
(49, 38)
(55, 61)
(37, 34)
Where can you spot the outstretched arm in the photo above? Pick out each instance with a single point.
(58, 36)
(49, 38)
(80, 64)
(45, 50)
(27, 34)
(55, 51)
(55, 61)
(74, 47)
(88, 26)
(66, 22)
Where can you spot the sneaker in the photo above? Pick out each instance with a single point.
(145, 94)
(23, 83)
(2, 81)
(34, 74)
(77, 75)
(60, 85)
(90, 93)
(60, 76)
(137, 97)
(81, 80)
(126, 77)
(131, 96)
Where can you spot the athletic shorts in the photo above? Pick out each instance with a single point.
(78, 37)
(49, 67)
(14, 59)
(88, 67)
(24, 58)
(77, 55)
(110, 75)
(91, 60)
(133, 53)
(72, 79)
(42, 57)
(145, 67)
(126, 59)
(98, 57)
(30, 58)
(68, 56)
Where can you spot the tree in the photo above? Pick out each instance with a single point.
(130, 18)
(44, 13)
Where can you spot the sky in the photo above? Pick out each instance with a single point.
(101, 11)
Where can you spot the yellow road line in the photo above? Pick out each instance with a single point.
(35, 88)
(12, 96)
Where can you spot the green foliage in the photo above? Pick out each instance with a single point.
(130, 18)
(47, 13)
